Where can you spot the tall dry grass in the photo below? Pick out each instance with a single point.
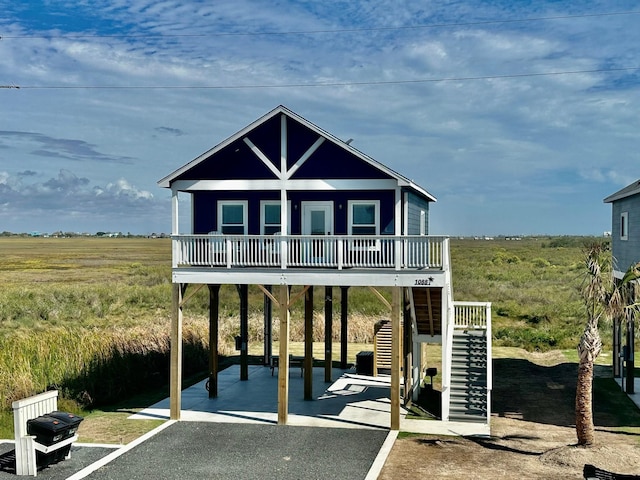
(98, 366)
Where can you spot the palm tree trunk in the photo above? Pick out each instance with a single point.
(584, 413)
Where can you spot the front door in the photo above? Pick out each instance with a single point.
(317, 220)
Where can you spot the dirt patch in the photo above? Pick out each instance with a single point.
(532, 431)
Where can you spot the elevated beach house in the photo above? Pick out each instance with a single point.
(625, 245)
(288, 207)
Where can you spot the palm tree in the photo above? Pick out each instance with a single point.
(604, 299)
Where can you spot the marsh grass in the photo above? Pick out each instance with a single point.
(91, 315)
(533, 286)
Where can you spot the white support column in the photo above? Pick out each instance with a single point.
(175, 229)
(284, 204)
(398, 229)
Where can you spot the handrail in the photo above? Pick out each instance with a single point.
(472, 315)
(331, 251)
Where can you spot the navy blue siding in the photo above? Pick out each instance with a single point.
(299, 139)
(267, 138)
(205, 205)
(626, 252)
(333, 162)
(237, 161)
(234, 162)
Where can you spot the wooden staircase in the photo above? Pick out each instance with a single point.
(382, 347)
(427, 310)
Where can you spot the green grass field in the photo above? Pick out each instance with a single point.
(91, 316)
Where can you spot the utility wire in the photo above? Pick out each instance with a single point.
(319, 84)
(315, 32)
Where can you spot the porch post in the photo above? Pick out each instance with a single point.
(243, 291)
(268, 327)
(308, 344)
(328, 332)
(344, 305)
(395, 358)
(214, 309)
(175, 370)
(283, 362)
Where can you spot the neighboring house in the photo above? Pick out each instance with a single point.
(285, 203)
(625, 245)
(625, 228)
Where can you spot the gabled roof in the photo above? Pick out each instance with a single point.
(627, 191)
(401, 179)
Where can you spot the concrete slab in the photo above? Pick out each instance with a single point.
(351, 401)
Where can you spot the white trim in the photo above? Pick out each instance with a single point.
(423, 222)
(293, 184)
(305, 157)
(398, 180)
(376, 220)
(624, 226)
(283, 146)
(405, 214)
(245, 214)
(175, 224)
(258, 153)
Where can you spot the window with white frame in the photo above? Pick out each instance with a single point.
(270, 217)
(624, 226)
(232, 217)
(364, 217)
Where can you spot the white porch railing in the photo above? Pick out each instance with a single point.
(472, 315)
(335, 251)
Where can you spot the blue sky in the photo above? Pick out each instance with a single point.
(470, 99)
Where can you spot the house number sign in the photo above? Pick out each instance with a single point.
(423, 281)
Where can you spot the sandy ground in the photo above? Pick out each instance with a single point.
(532, 433)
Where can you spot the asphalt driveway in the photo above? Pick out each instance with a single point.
(229, 451)
(202, 450)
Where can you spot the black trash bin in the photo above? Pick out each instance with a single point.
(364, 363)
(51, 429)
(70, 419)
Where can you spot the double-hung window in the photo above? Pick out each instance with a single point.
(364, 217)
(270, 220)
(232, 217)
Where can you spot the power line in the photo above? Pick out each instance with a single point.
(326, 31)
(318, 84)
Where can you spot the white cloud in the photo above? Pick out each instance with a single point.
(500, 139)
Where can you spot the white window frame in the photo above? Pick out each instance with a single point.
(423, 222)
(350, 205)
(624, 226)
(263, 224)
(245, 213)
(263, 203)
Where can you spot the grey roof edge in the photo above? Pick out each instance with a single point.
(627, 191)
(402, 180)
